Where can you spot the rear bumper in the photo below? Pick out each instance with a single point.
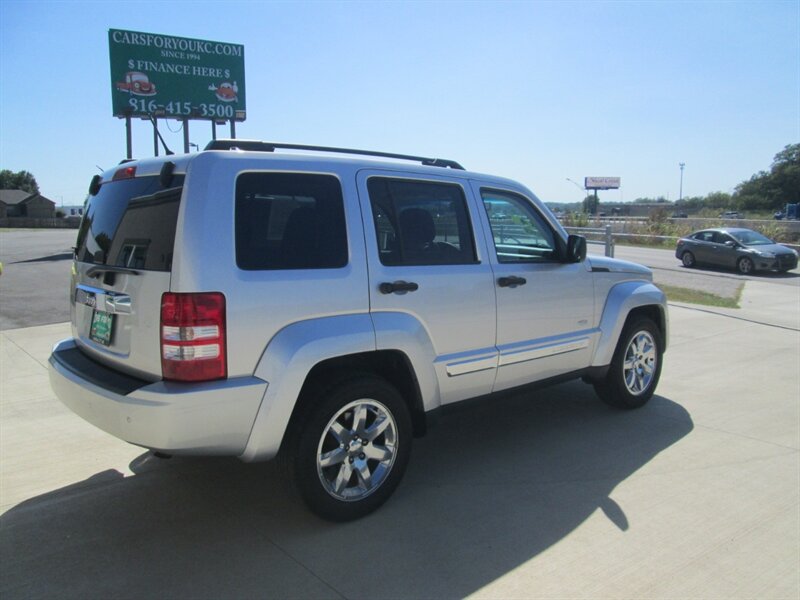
(209, 418)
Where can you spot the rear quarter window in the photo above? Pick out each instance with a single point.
(289, 221)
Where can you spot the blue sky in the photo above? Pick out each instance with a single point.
(535, 91)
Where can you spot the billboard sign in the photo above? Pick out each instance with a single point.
(601, 183)
(175, 77)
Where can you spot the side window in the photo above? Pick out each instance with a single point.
(721, 238)
(520, 233)
(704, 236)
(420, 222)
(289, 221)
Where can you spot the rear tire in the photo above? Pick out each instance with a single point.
(687, 258)
(636, 367)
(349, 452)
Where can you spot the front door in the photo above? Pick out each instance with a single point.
(431, 288)
(546, 322)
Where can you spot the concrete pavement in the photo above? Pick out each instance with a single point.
(549, 495)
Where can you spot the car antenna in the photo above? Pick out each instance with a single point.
(158, 133)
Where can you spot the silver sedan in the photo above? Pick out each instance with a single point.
(742, 249)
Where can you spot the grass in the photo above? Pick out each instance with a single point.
(689, 296)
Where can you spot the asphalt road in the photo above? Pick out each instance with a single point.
(34, 287)
(664, 260)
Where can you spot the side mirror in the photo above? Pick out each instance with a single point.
(730, 244)
(576, 248)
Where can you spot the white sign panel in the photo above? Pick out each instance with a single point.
(601, 183)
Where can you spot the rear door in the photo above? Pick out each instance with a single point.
(431, 288)
(703, 247)
(123, 259)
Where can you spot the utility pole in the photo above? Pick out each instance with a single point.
(680, 196)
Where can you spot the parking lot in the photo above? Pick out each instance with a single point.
(545, 495)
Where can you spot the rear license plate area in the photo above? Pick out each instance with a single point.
(102, 327)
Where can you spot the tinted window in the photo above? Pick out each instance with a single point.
(520, 233)
(721, 238)
(704, 236)
(420, 222)
(289, 221)
(130, 223)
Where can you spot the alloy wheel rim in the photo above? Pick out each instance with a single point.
(357, 450)
(639, 367)
(745, 266)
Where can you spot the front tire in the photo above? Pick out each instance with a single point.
(351, 450)
(745, 266)
(636, 367)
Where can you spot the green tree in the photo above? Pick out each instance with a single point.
(770, 190)
(590, 204)
(718, 200)
(22, 180)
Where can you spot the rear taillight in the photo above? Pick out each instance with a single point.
(193, 337)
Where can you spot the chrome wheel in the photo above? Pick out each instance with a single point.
(357, 450)
(640, 363)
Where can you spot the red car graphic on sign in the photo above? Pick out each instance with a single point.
(137, 83)
(225, 91)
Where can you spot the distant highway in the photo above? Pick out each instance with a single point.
(664, 259)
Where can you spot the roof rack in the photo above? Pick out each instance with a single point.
(257, 146)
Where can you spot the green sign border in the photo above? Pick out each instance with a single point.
(175, 77)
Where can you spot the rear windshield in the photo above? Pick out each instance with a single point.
(131, 223)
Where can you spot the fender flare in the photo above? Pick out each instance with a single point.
(284, 365)
(295, 350)
(622, 299)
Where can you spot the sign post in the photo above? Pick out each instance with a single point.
(600, 183)
(175, 78)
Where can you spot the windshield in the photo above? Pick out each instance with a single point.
(130, 223)
(751, 238)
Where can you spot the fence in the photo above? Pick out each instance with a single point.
(32, 223)
(593, 233)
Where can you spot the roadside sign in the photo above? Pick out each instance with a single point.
(601, 183)
(174, 77)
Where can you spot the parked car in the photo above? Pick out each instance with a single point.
(742, 249)
(679, 215)
(731, 214)
(246, 302)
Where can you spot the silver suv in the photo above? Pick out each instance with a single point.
(246, 302)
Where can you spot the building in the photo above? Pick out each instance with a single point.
(18, 203)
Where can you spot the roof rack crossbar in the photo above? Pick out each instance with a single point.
(258, 146)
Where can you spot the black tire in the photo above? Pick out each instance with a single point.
(313, 439)
(745, 265)
(687, 258)
(619, 388)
